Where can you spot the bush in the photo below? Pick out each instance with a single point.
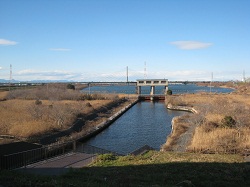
(88, 105)
(38, 102)
(228, 121)
(106, 157)
(169, 92)
(71, 86)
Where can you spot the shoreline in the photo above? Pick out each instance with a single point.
(172, 143)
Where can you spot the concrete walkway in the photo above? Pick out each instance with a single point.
(59, 165)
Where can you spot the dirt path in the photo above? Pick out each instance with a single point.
(185, 139)
(180, 139)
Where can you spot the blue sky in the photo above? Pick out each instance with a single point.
(84, 40)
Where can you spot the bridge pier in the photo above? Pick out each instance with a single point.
(138, 90)
(166, 90)
(152, 90)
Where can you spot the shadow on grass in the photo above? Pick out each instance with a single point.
(170, 174)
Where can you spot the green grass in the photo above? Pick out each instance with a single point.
(150, 169)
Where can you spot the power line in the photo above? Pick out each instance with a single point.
(10, 73)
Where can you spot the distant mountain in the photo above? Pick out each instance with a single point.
(33, 81)
(7, 81)
(46, 81)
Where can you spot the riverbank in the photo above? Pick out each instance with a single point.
(207, 130)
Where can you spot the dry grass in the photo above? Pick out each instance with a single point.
(3, 94)
(91, 125)
(23, 118)
(47, 109)
(216, 118)
(212, 109)
(220, 140)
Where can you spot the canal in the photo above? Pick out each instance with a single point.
(146, 123)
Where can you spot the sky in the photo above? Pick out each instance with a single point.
(96, 40)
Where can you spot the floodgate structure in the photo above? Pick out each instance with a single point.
(152, 83)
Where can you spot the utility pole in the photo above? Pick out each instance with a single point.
(10, 76)
(127, 74)
(244, 76)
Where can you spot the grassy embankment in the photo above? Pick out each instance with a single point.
(151, 169)
(222, 123)
(47, 109)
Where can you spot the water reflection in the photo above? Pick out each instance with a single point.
(145, 123)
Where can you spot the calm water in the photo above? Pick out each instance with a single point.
(177, 89)
(146, 123)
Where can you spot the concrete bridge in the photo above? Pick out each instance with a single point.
(152, 83)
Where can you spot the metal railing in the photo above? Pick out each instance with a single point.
(24, 158)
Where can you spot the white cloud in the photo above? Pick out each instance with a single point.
(190, 45)
(7, 42)
(180, 75)
(134, 75)
(59, 49)
(1, 68)
(30, 74)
